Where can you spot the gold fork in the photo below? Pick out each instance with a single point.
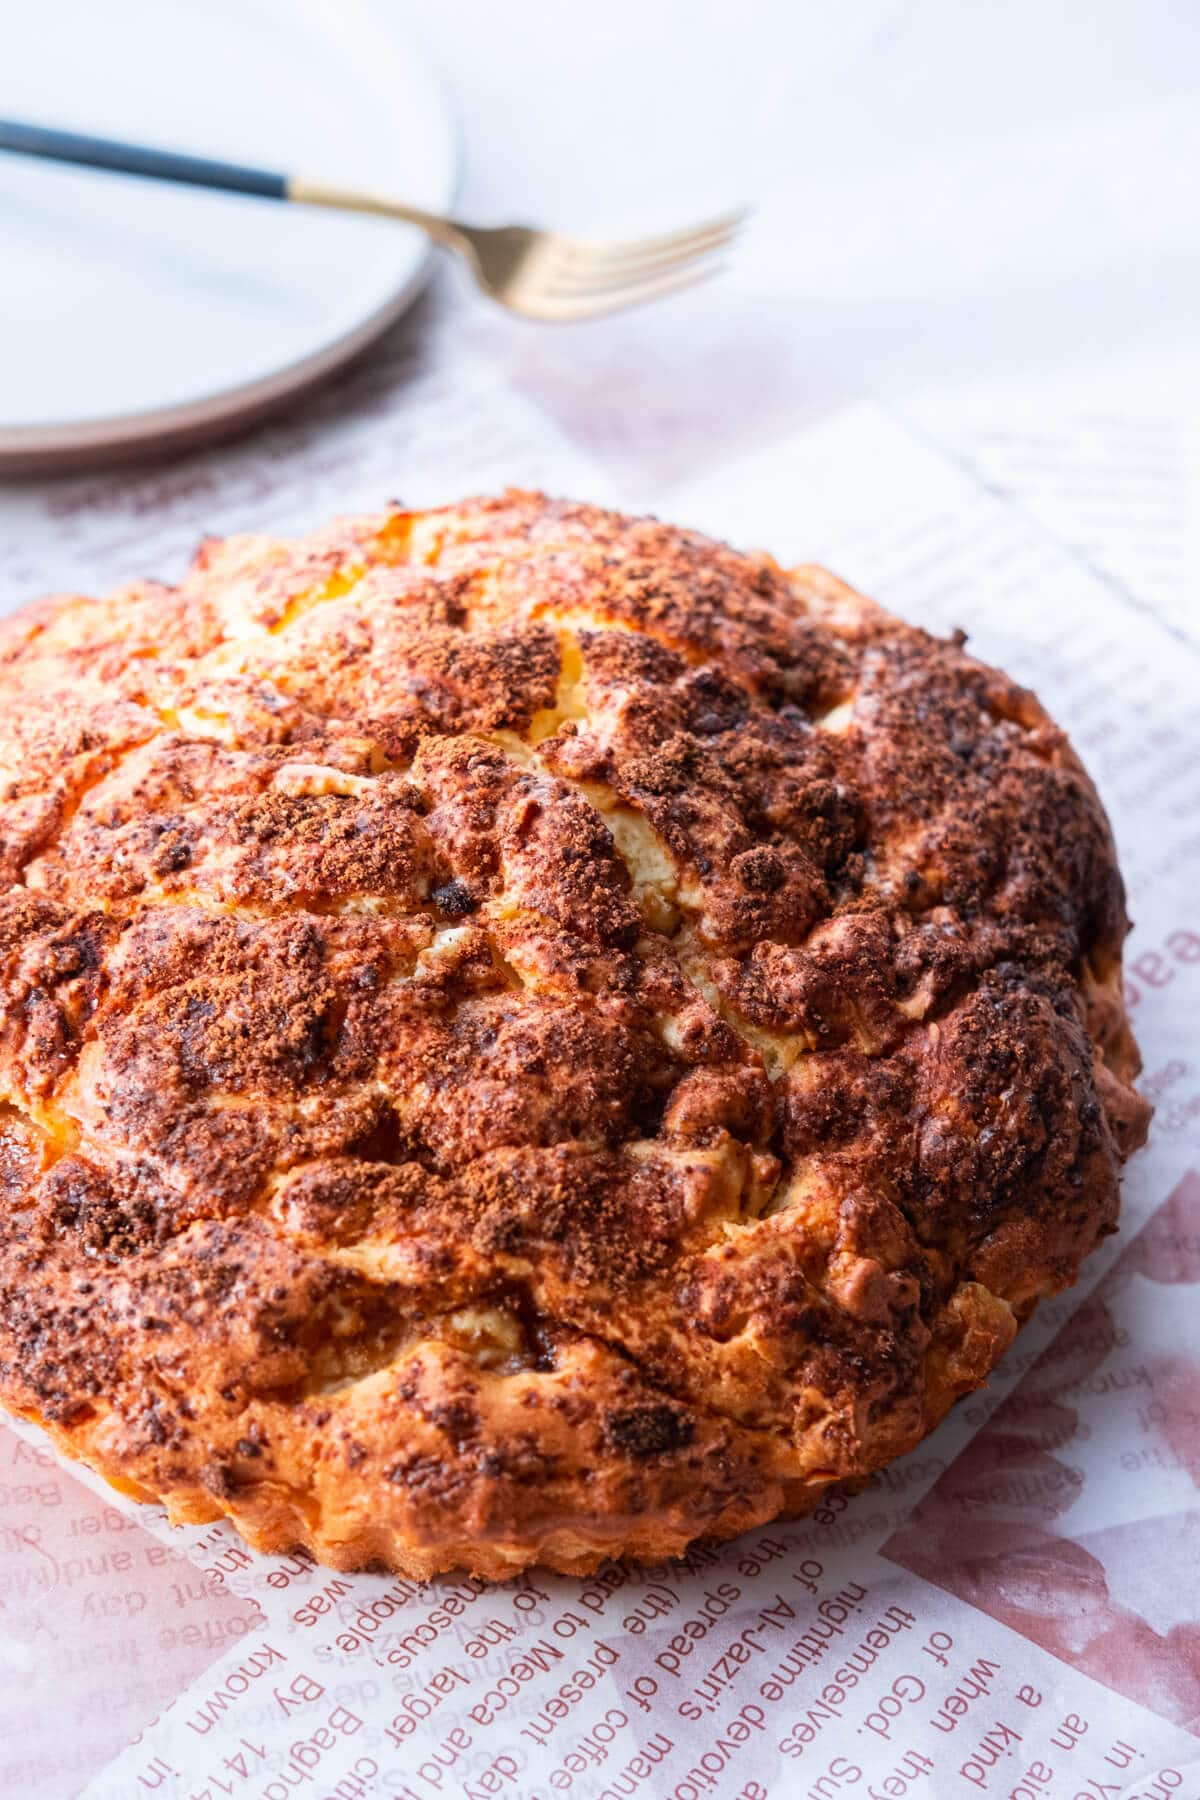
(538, 273)
(545, 275)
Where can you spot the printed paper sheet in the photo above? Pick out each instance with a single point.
(1012, 1610)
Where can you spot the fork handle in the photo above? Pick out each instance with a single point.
(138, 159)
(203, 171)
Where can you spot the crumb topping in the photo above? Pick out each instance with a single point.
(527, 1034)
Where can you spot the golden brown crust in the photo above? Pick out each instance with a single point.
(528, 1035)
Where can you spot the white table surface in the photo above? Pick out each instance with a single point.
(946, 191)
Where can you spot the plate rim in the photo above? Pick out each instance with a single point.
(31, 450)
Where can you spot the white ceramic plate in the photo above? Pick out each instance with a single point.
(139, 314)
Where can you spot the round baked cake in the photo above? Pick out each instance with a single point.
(529, 1036)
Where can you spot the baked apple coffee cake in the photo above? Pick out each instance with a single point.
(529, 1036)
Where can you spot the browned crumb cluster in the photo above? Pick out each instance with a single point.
(529, 1036)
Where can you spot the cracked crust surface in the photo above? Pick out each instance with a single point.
(527, 1035)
